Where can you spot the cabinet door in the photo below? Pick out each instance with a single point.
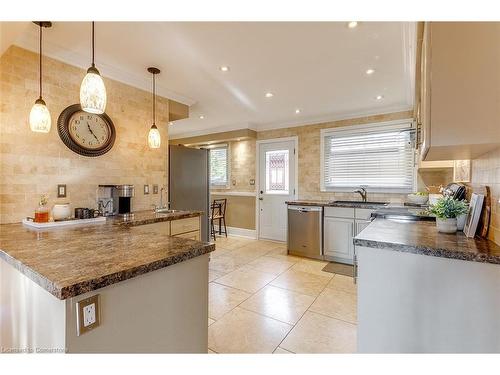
(338, 234)
(190, 235)
(425, 92)
(184, 225)
(360, 225)
(161, 227)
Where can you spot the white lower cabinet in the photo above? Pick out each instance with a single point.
(340, 226)
(338, 234)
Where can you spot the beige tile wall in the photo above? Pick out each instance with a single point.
(32, 163)
(309, 154)
(242, 159)
(486, 171)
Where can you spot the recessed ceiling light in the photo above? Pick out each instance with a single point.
(224, 68)
(370, 71)
(352, 24)
(379, 97)
(269, 94)
(202, 117)
(297, 111)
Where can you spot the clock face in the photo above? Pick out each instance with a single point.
(85, 133)
(88, 130)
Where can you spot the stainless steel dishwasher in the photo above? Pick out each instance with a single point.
(305, 231)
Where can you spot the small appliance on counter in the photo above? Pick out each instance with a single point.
(455, 190)
(116, 200)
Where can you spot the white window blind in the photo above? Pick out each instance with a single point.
(378, 157)
(219, 166)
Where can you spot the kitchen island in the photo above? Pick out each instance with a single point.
(153, 287)
(421, 291)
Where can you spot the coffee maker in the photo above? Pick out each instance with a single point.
(122, 200)
(115, 200)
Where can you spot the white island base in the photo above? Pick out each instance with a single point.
(412, 303)
(164, 311)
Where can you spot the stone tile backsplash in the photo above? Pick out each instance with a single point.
(486, 171)
(33, 163)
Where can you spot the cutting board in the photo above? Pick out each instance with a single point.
(484, 221)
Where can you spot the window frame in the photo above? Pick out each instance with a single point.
(228, 165)
(354, 129)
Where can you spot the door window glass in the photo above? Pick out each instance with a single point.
(277, 172)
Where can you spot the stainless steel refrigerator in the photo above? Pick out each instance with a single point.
(188, 182)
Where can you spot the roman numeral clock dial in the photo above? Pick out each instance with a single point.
(85, 133)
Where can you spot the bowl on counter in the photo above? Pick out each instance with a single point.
(418, 199)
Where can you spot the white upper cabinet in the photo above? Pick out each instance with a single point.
(460, 90)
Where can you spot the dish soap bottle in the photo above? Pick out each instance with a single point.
(42, 211)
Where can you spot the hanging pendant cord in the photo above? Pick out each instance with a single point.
(40, 61)
(154, 100)
(93, 41)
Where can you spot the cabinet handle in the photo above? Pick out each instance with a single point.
(355, 269)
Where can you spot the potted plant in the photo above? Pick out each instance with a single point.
(446, 211)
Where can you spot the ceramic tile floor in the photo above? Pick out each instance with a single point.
(262, 300)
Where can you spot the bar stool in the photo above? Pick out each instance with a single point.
(218, 212)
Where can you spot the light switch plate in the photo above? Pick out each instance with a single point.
(87, 314)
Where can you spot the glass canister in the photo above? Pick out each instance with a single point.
(42, 211)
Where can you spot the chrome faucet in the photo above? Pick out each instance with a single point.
(362, 191)
(161, 206)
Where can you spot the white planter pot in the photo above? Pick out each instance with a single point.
(446, 225)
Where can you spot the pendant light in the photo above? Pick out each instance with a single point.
(39, 114)
(154, 138)
(92, 90)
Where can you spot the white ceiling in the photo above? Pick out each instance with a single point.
(318, 67)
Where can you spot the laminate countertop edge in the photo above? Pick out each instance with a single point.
(64, 292)
(422, 238)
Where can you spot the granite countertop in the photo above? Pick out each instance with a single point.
(74, 260)
(150, 217)
(422, 237)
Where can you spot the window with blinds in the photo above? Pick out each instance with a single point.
(219, 166)
(379, 157)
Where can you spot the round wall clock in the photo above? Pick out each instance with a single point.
(87, 134)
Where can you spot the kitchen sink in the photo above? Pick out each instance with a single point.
(362, 203)
(166, 211)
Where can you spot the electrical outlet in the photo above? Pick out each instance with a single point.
(87, 314)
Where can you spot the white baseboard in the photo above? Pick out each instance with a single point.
(239, 232)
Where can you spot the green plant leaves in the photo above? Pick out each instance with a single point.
(448, 208)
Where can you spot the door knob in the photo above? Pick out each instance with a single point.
(261, 199)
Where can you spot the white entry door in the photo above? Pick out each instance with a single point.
(276, 186)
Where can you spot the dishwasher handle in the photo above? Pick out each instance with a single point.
(305, 208)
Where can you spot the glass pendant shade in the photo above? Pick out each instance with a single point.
(40, 120)
(154, 138)
(40, 117)
(93, 92)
